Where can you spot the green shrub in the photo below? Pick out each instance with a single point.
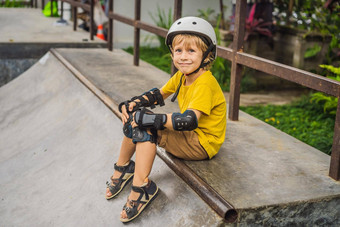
(13, 3)
(329, 103)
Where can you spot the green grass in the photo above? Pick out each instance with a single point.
(303, 120)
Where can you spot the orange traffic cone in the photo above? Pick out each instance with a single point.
(100, 34)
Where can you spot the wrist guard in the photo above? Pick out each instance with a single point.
(146, 119)
(154, 98)
(186, 121)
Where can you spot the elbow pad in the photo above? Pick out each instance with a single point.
(148, 119)
(186, 121)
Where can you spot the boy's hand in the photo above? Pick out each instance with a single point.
(132, 105)
(125, 115)
(133, 123)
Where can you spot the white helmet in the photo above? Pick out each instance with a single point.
(196, 26)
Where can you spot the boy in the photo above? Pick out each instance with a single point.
(196, 133)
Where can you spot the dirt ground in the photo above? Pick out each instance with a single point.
(264, 98)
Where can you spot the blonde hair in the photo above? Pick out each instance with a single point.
(190, 40)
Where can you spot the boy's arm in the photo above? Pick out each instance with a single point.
(136, 102)
(165, 96)
(186, 121)
(170, 121)
(133, 103)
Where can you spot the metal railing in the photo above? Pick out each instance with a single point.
(238, 58)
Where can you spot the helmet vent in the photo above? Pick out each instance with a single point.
(194, 23)
(179, 22)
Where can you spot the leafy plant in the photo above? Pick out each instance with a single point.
(221, 67)
(221, 71)
(334, 70)
(329, 103)
(258, 25)
(313, 51)
(162, 20)
(206, 14)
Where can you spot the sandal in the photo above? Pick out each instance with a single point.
(118, 184)
(147, 194)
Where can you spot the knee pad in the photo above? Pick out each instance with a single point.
(127, 128)
(186, 121)
(141, 135)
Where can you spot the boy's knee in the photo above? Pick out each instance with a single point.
(127, 130)
(141, 135)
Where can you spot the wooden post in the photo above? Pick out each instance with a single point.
(334, 170)
(51, 2)
(75, 18)
(92, 20)
(110, 33)
(222, 25)
(177, 15)
(236, 69)
(62, 10)
(177, 9)
(136, 33)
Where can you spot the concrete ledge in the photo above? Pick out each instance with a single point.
(37, 50)
(324, 212)
(259, 169)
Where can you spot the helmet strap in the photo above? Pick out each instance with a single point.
(177, 90)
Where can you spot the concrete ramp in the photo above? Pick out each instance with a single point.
(58, 144)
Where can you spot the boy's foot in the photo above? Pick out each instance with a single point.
(121, 176)
(138, 199)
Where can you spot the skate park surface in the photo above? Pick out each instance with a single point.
(60, 139)
(59, 143)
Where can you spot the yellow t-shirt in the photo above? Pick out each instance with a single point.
(204, 95)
